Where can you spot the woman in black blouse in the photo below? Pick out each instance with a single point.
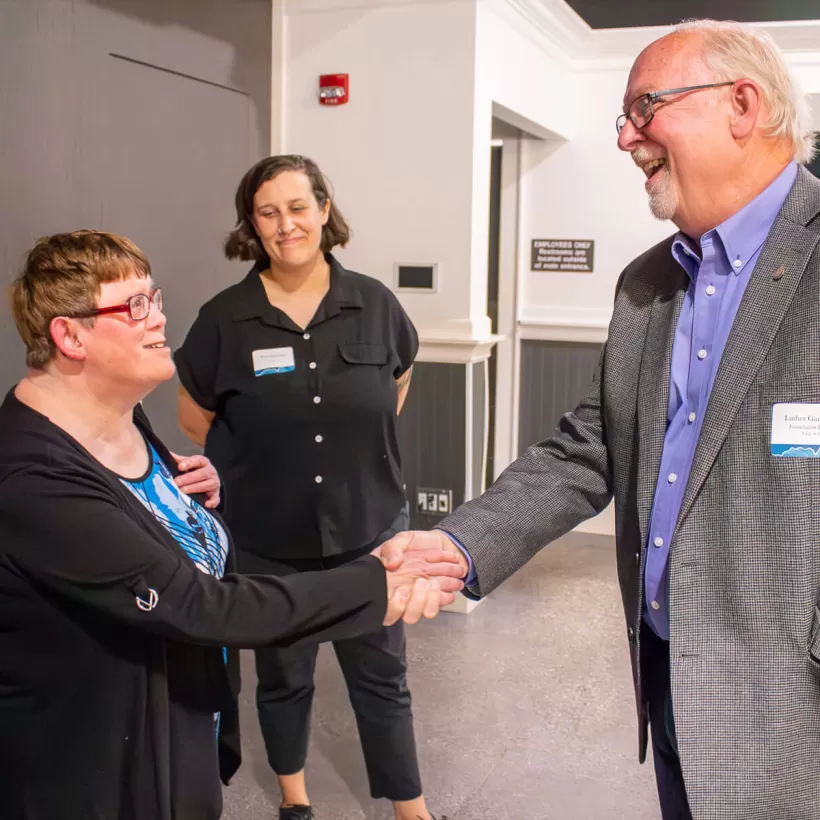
(293, 379)
(117, 593)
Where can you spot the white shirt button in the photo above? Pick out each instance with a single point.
(701, 354)
(691, 418)
(710, 290)
(672, 478)
(737, 263)
(658, 542)
(655, 605)
(312, 365)
(317, 399)
(318, 479)
(306, 336)
(318, 439)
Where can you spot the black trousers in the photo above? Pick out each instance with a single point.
(375, 670)
(658, 691)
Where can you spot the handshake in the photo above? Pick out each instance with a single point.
(424, 571)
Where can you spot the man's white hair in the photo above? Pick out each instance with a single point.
(736, 51)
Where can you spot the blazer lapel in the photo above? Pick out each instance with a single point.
(769, 293)
(653, 385)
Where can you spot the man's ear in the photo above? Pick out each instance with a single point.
(67, 339)
(747, 101)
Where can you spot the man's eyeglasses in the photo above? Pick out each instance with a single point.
(137, 307)
(641, 109)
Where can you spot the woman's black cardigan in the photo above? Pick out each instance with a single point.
(86, 674)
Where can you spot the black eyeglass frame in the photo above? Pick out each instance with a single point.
(656, 96)
(154, 298)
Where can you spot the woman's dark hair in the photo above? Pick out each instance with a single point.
(243, 241)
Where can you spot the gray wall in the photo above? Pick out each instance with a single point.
(432, 434)
(554, 378)
(138, 117)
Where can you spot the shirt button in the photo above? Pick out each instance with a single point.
(318, 479)
(737, 263)
(306, 336)
(691, 418)
(317, 399)
(710, 290)
(637, 558)
(701, 354)
(658, 542)
(318, 439)
(312, 365)
(655, 605)
(672, 478)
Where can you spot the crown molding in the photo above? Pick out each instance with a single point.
(572, 40)
(297, 7)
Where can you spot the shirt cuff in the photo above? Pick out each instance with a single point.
(471, 578)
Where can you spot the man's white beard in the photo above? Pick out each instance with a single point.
(663, 199)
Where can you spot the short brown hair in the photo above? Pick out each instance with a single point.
(243, 241)
(62, 276)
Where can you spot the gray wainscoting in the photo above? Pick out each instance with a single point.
(554, 378)
(432, 434)
(479, 421)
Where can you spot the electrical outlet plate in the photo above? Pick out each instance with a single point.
(433, 502)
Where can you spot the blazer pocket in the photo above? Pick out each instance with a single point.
(814, 641)
(363, 353)
(800, 389)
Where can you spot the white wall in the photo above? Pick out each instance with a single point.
(398, 153)
(584, 189)
(513, 70)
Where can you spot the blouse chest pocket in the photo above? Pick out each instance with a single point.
(363, 353)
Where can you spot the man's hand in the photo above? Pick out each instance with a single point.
(199, 476)
(438, 551)
(421, 584)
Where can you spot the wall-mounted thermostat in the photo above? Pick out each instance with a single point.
(418, 278)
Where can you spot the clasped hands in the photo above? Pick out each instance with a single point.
(424, 571)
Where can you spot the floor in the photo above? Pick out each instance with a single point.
(524, 708)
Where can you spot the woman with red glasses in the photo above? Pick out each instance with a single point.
(119, 608)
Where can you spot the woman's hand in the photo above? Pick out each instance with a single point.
(198, 476)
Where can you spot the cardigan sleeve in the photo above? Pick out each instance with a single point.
(65, 530)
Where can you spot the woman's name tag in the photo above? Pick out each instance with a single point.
(273, 360)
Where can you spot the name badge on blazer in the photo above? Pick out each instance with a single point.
(273, 360)
(796, 430)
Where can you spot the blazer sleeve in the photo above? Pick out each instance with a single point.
(554, 486)
(66, 531)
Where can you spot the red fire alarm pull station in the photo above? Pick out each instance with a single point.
(334, 89)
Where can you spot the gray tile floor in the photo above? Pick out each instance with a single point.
(524, 708)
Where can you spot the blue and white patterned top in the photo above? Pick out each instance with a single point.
(196, 530)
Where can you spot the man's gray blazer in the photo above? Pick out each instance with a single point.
(745, 555)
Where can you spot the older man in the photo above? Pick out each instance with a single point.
(703, 422)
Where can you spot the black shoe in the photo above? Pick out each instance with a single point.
(296, 813)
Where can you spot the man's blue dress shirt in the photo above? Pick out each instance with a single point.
(719, 271)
